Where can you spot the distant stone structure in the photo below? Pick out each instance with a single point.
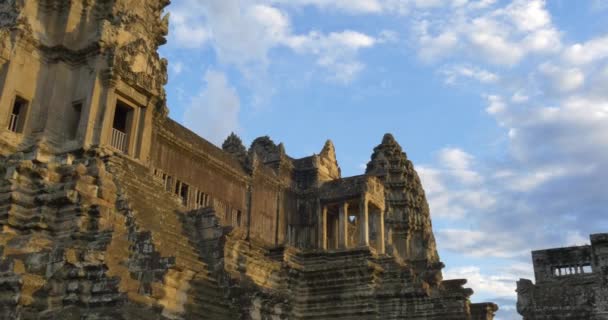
(571, 283)
(111, 210)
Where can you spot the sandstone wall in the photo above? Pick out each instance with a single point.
(571, 283)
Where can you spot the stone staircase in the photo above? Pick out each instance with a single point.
(162, 215)
(331, 285)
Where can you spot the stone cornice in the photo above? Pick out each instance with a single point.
(60, 53)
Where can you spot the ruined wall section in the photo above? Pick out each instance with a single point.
(571, 283)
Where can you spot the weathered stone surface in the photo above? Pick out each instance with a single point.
(111, 210)
(571, 283)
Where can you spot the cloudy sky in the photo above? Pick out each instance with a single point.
(502, 106)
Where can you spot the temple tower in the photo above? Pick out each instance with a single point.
(408, 222)
(81, 73)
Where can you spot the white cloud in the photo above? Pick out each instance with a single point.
(481, 4)
(431, 179)
(454, 169)
(496, 105)
(351, 6)
(493, 47)
(244, 33)
(177, 67)
(335, 51)
(551, 176)
(599, 5)
(432, 47)
(482, 244)
(575, 238)
(588, 52)
(494, 285)
(214, 113)
(500, 36)
(187, 32)
(562, 80)
(519, 97)
(456, 72)
(530, 180)
(399, 7)
(528, 15)
(543, 41)
(455, 158)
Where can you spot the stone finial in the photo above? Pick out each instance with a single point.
(388, 139)
(265, 148)
(234, 145)
(328, 150)
(327, 159)
(388, 148)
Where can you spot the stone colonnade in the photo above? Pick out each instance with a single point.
(363, 219)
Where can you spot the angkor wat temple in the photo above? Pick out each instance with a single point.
(111, 210)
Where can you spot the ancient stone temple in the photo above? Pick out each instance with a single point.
(111, 210)
(571, 283)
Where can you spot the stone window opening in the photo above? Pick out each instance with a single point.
(121, 126)
(16, 122)
(75, 114)
(331, 240)
(238, 218)
(181, 189)
(201, 199)
(572, 270)
(354, 226)
(167, 182)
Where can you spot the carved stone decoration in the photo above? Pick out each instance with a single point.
(265, 149)
(328, 160)
(9, 11)
(60, 6)
(139, 66)
(4, 45)
(234, 145)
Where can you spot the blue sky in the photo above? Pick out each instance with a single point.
(502, 106)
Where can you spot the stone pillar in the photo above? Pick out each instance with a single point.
(324, 228)
(343, 227)
(107, 106)
(364, 221)
(133, 130)
(381, 239)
